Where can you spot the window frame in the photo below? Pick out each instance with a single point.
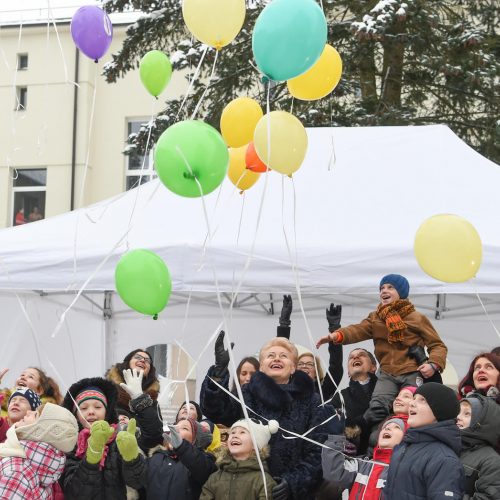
(19, 58)
(148, 172)
(25, 189)
(19, 106)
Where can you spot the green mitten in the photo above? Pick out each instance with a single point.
(127, 442)
(100, 432)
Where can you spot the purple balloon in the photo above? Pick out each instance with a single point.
(92, 31)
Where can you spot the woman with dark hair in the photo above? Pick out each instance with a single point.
(138, 359)
(482, 377)
(245, 371)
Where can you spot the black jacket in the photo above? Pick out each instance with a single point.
(426, 464)
(83, 481)
(296, 407)
(178, 474)
(480, 460)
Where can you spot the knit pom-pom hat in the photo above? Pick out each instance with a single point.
(261, 432)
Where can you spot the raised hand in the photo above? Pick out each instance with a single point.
(127, 442)
(133, 382)
(286, 311)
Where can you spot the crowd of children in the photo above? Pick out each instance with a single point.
(396, 432)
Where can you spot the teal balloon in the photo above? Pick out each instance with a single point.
(288, 38)
(143, 281)
(191, 151)
(155, 71)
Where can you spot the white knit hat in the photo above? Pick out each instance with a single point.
(56, 426)
(261, 432)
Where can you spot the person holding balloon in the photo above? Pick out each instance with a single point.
(396, 328)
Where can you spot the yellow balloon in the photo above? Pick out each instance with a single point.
(214, 22)
(238, 174)
(448, 248)
(238, 121)
(288, 140)
(319, 80)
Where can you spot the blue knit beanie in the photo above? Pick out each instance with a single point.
(400, 283)
(31, 396)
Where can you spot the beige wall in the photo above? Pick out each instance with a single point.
(41, 136)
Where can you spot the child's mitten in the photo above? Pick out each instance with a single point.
(127, 442)
(100, 432)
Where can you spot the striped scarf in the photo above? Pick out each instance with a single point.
(393, 315)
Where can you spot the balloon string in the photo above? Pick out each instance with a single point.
(144, 156)
(486, 313)
(195, 76)
(206, 88)
(333, 156)
(98, 268)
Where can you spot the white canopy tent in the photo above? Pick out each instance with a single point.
(347, 217)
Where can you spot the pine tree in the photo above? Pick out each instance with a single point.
(409, 62)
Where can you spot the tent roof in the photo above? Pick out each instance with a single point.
(348, 216)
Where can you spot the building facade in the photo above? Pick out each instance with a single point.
(63, 129)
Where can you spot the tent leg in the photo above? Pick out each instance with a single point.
(440, 305)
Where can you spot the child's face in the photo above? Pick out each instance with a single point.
(390, 435)
(388, 294)
(123, 420)
(29, 378)
(463, 419)
(185, 431)
(240, 443)
(420, 413)
(402, 402)
(18, 407)
(30, 418)
(92, 411)
(188, 411)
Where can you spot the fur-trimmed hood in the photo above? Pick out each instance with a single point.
(107, 387)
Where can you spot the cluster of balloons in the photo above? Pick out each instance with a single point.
(143, 281)
(448, 248)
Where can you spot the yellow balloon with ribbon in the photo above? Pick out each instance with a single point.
(238, 174)
(214, 22)
(238, 121)
(448, 248)
(319, 80)
(280, 140)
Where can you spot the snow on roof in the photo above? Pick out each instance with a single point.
(25, 12)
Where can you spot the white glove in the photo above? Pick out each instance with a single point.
(133, 382)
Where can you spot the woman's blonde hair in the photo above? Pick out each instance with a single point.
(281, 342)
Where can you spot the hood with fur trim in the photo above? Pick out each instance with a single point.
(107, 387)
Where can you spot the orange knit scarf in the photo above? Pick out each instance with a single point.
(393, 315)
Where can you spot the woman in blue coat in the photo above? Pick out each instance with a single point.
(426, 463)
(280, 392)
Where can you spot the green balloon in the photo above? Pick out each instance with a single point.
(155, 70)
(143, 281)
(191, 151)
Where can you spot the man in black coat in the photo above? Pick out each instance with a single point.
(355, 398)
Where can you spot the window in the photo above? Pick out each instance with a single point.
(21, 98)
(22, 61)
(28, 189)
(135, 161)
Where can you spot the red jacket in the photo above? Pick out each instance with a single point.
(4, 427)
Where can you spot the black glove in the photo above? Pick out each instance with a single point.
(286, 311)
(281, 491)
(333, 316)
(221, 356)
(418, 354)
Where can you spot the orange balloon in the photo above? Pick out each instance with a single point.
(252, 160)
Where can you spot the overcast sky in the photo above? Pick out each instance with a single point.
(31, 10)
